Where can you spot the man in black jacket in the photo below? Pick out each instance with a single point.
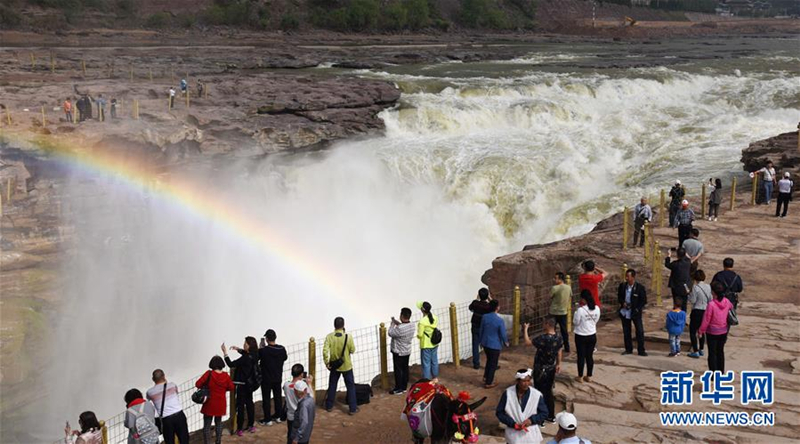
(632, 298)
(271, 357)
(680, 278)
(479, 307)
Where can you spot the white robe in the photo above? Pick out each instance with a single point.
(514, 410)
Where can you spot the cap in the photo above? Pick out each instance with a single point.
(419, 304)
(301, 386)
(685, 202)
(787, 174)
(677, 182)
(567, 421)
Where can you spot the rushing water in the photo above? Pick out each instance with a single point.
(477, 160)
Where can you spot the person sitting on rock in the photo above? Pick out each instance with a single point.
(567, 430)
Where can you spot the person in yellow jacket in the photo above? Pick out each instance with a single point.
(336, 355)
(425, 329)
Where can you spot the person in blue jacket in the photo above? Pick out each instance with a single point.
(493, 338)
(676, 320)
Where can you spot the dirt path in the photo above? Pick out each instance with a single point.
(622, 402)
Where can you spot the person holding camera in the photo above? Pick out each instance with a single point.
(402, 333)
(336, 355)
(298, 374)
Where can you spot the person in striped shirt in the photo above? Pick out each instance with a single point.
(402, 333)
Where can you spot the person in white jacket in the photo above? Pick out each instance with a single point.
(584, 323)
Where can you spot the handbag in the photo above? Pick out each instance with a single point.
(203, 393)
(333, 365)
(159, 424)
(732, 318)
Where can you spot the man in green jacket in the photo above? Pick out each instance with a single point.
(336, 355)
(561, 297)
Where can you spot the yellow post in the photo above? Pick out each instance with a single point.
(516, 316)
(625, 228)
(656, 272)
(52, 64)
(312, 362)
(703, 207)
(44, 120)
(131, 73)
(83, 67)
(755, 189)
(73, 111)
(233, 407)
(454, 335)
(733, 193)
(8, 190)
(187, 97)
(384, 359)
(33, 62)
(104, 431)
(662, 209)
(659, 278)
(623, 270)
(150, 71)
(8, 115)
(646, 237)
(205, 91)
(569, 306)
(169, 101)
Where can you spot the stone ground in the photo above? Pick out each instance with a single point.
(622, 402)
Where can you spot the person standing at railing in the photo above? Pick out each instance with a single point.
(584, 322)
(165, 397)
(402, 333)
(715, 200)
(426, 327)
(479, 307)
(246, 381)
(336, 353)
(641, 213)
(590, 280)
(493, 338)
(218, 383)
(784, 194)
(271, 357)
(90, 433)
(298, 374)
(140, 419)
(561, 298)
(676, 194)
(632, 297)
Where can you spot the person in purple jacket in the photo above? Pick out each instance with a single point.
(715, 327)
(676, 320)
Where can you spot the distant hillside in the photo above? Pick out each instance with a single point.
(336, 15)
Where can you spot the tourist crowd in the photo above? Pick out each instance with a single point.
(523, 407)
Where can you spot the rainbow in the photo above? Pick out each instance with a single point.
(203, 204)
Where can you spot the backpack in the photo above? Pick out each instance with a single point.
(363, 393)
(144, 427)
(436, 336)
(254, 381)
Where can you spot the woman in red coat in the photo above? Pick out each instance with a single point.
(218, 383)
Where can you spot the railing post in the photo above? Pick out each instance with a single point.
(703, 207)
(312, 362)
(733, 193)
(623, 270)
(516, 315)
(569, 306)
(83, 67)
(454, 335)
(104, 431)
(384, 360)
(645, 238)
(8, 115)
(233, 406)
(44, 119)
(659, 279)
(654, 284)
(755, 189)
(625, 228)
(662, 209)
(8, 190)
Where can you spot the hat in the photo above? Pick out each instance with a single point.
(787, 174)
(301, 386)
(419, 304)
(685, 202)
(677, 182)
(567, 421)
(527, 373)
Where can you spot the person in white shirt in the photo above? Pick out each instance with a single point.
(584, 323)
(767, 181)
(298, 374)
(784, 194)
(402, 333)
(641, 213)
(164, 396)
(567, 430)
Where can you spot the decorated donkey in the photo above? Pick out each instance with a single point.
(433, 412)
